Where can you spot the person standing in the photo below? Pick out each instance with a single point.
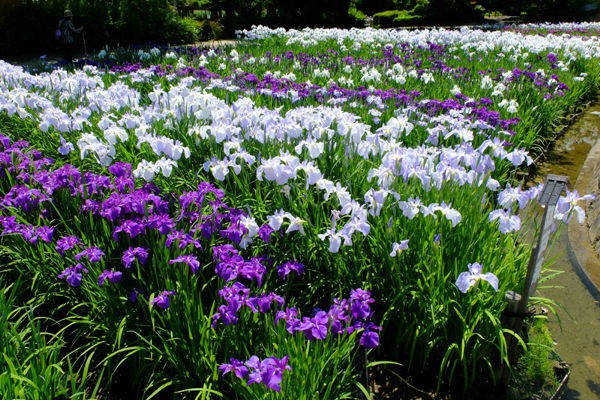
(68, 32)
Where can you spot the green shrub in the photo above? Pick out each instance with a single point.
(184, 30)
(385, 19)
(210, 30)
(409, 20)
(535, 369)
(357, 15)
(393, 18)
(421, 8)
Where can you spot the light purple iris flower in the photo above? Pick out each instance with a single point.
(398, 248)
(65, 147)
(508, 222)
(567, 204)
(469, 278)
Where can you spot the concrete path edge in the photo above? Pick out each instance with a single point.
(582, 254)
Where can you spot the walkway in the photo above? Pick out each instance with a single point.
(576, 327)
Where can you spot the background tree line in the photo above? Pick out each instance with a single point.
(28, 25)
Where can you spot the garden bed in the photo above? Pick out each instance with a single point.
(280, 218)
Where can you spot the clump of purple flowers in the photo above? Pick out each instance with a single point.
(237, 296)
(344, 316)
(129, 212)
(268, 371)
(132, 212)
(230, 265)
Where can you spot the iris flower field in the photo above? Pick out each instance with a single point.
(281, 217)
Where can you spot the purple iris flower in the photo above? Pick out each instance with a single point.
(28, 232)
(190, 260)
(223, 252)
(287, 267)
(120, 170)
(338, 315)
(290, 316)
(207, 228)
(93, 254)
(133, 227)
(229, 268)
(262, 303)
(9, 224)
(22, 197)
(45, 233)
(234, 232)
(469, 278)
(90, 206)
(269, 371)
(112, 276)
(134, 253)
(369, 338)
(161, 222)
(67, 243)
(315, 327)
(183, 238)
(272, 369)
(225, 313)
(163, 300)
(360, 304)
(96, 184)
(236, 366)
(4, 142)
(264, 232)
(133, 296)
(73, 274)
(253, 269)
(67, 177)
(235, 296)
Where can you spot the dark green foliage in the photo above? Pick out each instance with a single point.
(210, 30)
(358, 16)
(28, 25)
(562, 10)
(453, 11)
(242, 14)
(182, 31)
(546, 10)
(138, 21)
